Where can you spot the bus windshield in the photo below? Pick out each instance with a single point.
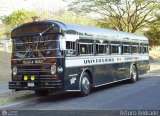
(36, 43)
(36, 46)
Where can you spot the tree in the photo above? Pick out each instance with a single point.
(154, 32)
(123, 15)
(18, 17)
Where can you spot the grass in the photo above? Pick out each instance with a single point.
(4, 101)
(9, 97)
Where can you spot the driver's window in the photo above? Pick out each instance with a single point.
(70, 48)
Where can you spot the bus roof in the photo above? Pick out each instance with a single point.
(94, 32)
(100, 33)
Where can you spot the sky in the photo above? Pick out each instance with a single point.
(7, 6)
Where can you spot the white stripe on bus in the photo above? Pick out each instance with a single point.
(94, 60)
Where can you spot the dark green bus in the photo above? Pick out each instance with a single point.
(51, 56)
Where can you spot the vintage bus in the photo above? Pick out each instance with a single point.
(53, 56)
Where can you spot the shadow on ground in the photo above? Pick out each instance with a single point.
(74, 95)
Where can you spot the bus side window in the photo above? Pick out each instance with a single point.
(86, 48)
(70, 48)
(134, 49)
(126, 49)
(102, 49)
(115, 49)
(145, 49)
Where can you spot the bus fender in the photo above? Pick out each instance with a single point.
(84, 70)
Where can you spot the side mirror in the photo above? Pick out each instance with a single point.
(62, 43)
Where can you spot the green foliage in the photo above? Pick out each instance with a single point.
(18, 17)
(70, 17)
(123, 15)
(5, 31)
(154, 32)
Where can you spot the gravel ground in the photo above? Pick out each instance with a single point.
(5, 70)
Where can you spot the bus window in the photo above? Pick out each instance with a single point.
(145, 49)
(70, 48)
(115, 49)
(126, 49)
(86, 48)
(141, 49)
(102, 49)
(135, 49)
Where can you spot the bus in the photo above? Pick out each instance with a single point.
(50, 56)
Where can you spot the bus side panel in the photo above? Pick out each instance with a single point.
(111, 72)
(104, 74)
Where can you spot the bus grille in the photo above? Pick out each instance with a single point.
(37, 70)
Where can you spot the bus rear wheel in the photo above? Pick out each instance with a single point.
(41, 92)
(85, 85)
(134, 74)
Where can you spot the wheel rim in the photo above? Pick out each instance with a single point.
(134, 73)
(85, 84)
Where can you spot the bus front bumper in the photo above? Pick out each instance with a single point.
(42, 85)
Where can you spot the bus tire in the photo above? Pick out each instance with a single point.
(134, 74)
(85, 84)
(41, 92)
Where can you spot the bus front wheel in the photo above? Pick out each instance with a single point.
(85, 84)
(134, 74)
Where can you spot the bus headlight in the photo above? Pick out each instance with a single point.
(53, 69)
(14, 70)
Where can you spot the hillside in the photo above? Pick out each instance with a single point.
(5, 70)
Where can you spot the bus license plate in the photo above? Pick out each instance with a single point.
(30, 84)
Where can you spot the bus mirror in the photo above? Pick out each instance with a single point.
(63, 43)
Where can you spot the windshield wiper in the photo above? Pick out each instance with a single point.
(45, 31)
(41, 36)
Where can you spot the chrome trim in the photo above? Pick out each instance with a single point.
(111, 82)
(73, 90)
(73, 75)
(121, 68)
